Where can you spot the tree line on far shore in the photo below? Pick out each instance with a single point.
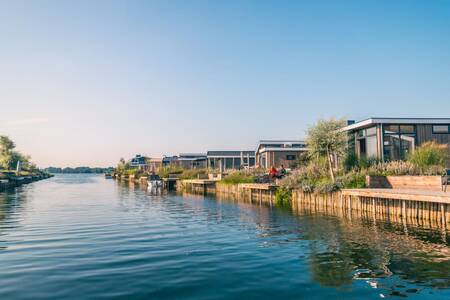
(78, 170)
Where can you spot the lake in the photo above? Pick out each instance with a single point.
(82, 236)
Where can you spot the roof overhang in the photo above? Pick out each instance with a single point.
(281, 142)
(263, 150)
(374, 121)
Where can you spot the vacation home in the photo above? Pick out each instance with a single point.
(224, 160)
(139, 161)
(154, 164)
(192, 160)
(279, 152)
(391, 139)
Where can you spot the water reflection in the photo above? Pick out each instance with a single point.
(95, 237)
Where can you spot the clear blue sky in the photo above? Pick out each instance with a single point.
(86, 82)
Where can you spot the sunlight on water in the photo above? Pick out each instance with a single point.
(81, 236)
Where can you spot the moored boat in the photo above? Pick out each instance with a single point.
(154, 181)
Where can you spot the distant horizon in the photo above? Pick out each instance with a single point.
(86, 83)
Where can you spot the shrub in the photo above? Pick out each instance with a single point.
(351, 161)
(430, 154)
(133, 171)
(193, 173)
(165, 171)
(400, 168)
(239, 177)
(352, 180)
(283, 196)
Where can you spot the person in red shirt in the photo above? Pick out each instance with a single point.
(273, 173)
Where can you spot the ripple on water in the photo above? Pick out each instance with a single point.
(81, 236)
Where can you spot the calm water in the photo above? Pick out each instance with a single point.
(81, 236)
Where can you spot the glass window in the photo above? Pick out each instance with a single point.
(391, 147)
(441, 129)
(407, 129)
(290, 157)
(228, 163)
(398, 146)
(237, 163)
(407, 145)
(252, 161)
(391, 128)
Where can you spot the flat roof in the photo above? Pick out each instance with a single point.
(192, 155)
(280, 142)
(230, 153)
(372, 121)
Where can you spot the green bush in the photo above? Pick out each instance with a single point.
(401, 168)
(239, 177)
(283, 196)
(193, 173)
(430, 154)
(352, 180)
(351, 161)
(165, 171)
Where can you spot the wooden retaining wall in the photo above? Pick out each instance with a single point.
(433, 183)
(414, 211)
(253, 193)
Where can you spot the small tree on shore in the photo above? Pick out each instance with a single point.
(325, 139)
(9, 156)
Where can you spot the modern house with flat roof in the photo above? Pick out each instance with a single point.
(225, 160)
(279, 152)
(391, 139)
(169, 161)
(192, 160)
(154, 164)
(139, 161)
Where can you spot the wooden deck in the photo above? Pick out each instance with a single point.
(401, 194)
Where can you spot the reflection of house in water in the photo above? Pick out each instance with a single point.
(359, 247)
(395, 138)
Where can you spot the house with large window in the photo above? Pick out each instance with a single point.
(279, 152)
(139, 161)
(191, 160)
(391, 139)
(225, 160)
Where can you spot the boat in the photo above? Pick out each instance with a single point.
(108, 176)
(154, 181)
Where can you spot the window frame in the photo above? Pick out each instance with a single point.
(434, 132)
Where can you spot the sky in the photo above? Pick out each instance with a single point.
(87, 82)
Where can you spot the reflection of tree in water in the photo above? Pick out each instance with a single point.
(343, 250)
(11, 206)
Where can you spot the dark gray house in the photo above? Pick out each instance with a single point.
(391, 139)
(224, 160)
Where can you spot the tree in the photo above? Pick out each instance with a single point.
(6, 144)
(325, 139)
(7, 154)
(9, 157)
